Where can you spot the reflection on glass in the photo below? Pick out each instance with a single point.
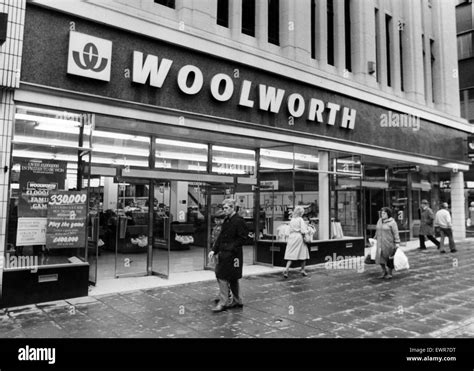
(178, 155)
(119, 149)
(227, 160)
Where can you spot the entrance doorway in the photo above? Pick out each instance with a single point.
(178, 238)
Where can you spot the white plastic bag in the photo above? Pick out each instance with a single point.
(400, 260)
(373, 248)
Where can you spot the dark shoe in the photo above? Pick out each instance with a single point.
(384, 275)
(235, 305)
(422, 248)
(437, 246)
(304, 274)
(219, 308)
(389, 277)
(442, 252)
(454, 250)
(285, 275)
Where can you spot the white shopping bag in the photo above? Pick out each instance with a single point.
(400, 260)
(373, 248)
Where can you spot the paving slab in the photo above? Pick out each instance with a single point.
(435, 298)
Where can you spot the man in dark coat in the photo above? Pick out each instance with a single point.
(228, 249)
(426, 227)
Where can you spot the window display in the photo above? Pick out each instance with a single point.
(48, 209)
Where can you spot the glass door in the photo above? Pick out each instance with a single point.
(132, 231)
(398, 201)
(162, 218)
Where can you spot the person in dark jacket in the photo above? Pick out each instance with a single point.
(426, 225)
(228, 248)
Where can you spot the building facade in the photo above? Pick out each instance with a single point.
(134, 120)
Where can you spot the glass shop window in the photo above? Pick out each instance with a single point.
(48, 208)
(346, 196)
(117, 149)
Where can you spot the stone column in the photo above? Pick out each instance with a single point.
(413, 53)
(302, 27)
(458, 205)
(235, 18)
(321, 32)
(287, 28)
(339, 42)
(324, 196)
(446, 82)
(261, 23)
(363, 39)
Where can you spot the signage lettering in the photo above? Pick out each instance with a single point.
(91, 57)
(228, 88)
(157, 72)
(183, 77)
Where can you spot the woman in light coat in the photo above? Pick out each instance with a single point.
(296, 248)
(388, 241)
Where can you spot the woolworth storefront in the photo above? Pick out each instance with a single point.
(124, 146)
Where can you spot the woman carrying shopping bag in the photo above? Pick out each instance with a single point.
(388, 241)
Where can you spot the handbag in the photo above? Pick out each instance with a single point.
(307, 238)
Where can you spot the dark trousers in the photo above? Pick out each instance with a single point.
(224, 287)
(447, 232)
(430, 237)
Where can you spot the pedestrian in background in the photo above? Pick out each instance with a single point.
(228, 248)
(388, 241)
(426, 228)
(296, 248)
(471, 216)
(444, 223)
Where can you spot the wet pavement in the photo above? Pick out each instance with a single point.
(434, 299)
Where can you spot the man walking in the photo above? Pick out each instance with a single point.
(443, 221)
(426, 228)
(228, 248)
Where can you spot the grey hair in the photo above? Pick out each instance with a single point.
(230, 202)
(299, 211)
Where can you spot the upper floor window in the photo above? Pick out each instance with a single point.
(274, 22)
(223, 13)
(465, 46)
(248, 17)
(347, 36)
(313, 29)
(388, 46)
(400, 46)
(168, 3)
(464, 17)
(330, 24)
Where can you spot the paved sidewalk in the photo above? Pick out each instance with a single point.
(435, 298)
